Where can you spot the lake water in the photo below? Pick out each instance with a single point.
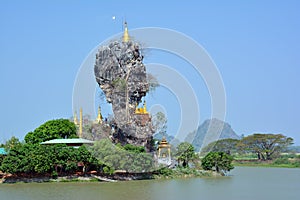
(244, 183)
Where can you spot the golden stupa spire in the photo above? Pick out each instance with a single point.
(126, 37)
(75, 118)
(145, 108)
(99, 116)
(80, 123)
(142, 110)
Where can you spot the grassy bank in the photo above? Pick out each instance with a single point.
(252, 163)
(289, 160)
(184, 173)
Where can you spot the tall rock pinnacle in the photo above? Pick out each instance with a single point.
(121, 75)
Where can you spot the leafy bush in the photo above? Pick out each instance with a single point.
(218, 161)
(281, 160)
(54, 174)
(108, 170)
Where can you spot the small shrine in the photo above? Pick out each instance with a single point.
(99, 117)
(164, 152)
(142, 110)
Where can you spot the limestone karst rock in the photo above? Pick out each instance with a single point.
(121, 75)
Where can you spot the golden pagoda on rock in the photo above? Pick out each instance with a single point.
(142, 110)
(126, 36)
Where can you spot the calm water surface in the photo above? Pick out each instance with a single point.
(244, 183)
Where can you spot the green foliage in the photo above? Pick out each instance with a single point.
(117, 157)
(185, 152)
(119, 83)
(54, 174)
(180, 172)
(39, 159)
(108, 170)
(135, 149)
(281, 160)
(266, 146)
(53, 129)
(219, 161)
(164, 171)
(11, 143)
(27, 158)
(228, 146)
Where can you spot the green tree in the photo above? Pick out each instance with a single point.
(128, 157)
(39, 159)
(185, 152)
(53, 129)
(11, 143)
(265, 145)
(228, 146)
(84, 156)
(27, 158)
(133, 148)
(219, 161)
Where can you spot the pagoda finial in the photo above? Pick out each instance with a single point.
(80, 123)
(99, 116)
(145, 108)
(126, 37)
(75, 118)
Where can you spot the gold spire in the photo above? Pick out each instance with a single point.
(80, 123)
(142, 110)
(126, 37)
(75, 118)
(164, 145)
(99, 116)
(145, 108)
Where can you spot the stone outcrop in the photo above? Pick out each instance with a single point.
(121, 75)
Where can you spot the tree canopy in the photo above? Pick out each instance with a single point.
(11, 143)
(53, 129)
(128, 157)
(185, 152)
(228, 146)
(265, 145)
(219, 161)
(38, 159)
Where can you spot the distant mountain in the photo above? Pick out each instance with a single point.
(208, 131)
(293, 149)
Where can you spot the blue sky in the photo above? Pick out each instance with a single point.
(254, 44)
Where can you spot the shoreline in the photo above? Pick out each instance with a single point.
(118, 177)
(9, 178)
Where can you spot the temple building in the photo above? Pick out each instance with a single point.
(164, 152)
(72, 142)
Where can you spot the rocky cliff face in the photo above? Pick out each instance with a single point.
(121, 75)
